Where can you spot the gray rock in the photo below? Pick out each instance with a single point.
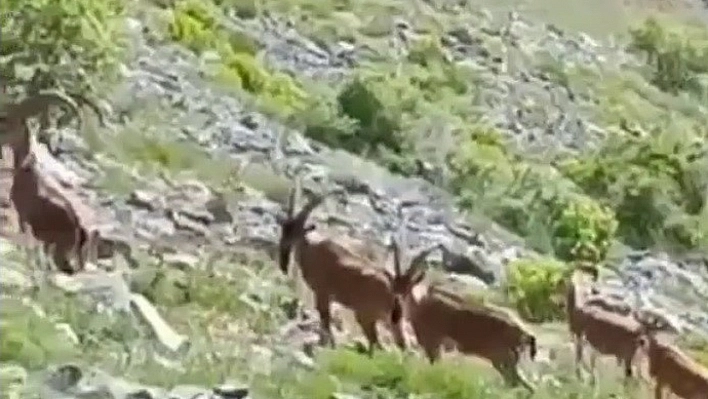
(231, 391)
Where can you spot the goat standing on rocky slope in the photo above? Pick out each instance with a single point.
(335, 273)
(671, 367)
(438, 316)
(42, 207)
(607, 332)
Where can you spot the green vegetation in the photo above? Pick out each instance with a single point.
(676, 56)
(197, 26)
(231, 308)
(534, 287)
(28, 339)
(645, 185)
(65, 44)
(388, 108)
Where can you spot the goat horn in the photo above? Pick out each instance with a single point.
(83, 100)
(38, 103)
(309, 207)
(418, 259)
(396, 256)
(292, 198)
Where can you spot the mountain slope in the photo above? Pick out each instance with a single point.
(501, 127)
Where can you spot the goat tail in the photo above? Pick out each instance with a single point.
(397, 311)
(533, 348)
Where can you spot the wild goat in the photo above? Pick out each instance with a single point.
(608, 333)
(670, 367)
(335, 273)
(42, 205)
(438, 316)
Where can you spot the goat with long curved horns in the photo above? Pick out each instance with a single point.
(41, 203)
(438, 316)
(336, 273)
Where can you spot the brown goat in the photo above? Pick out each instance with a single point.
(42, 206)
(607, 332)
(335, 273)
(671, 367)
(438, 316)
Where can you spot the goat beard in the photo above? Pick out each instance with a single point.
(285, 253)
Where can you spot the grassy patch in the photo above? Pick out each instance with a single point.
(391, 375)
(29, 339)
(198, 26)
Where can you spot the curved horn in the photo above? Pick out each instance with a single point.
(83, 100)
(292, 198)
(396, 256)
(309, 207)
(39, 103)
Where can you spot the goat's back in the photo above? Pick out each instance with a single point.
(329, 269)
(610, 333)
(474, 329)
(683, 375)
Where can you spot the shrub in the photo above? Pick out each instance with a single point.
(68, 41)
(534, 287)
(276, 92)
(677, 56)
(656, 185)
(583, 230)
(28, 339)
(196, 25)
(376, 125)
(193, 24)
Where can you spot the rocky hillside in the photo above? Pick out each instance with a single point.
(522, 137)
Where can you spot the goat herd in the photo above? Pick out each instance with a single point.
(335, 272)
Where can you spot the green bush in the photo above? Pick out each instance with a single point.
(534, 286)
(196, 25)
(67, 41)
(677, 55)
(583, 230)
(193, 24)
(376, 125)
(28, 339)
(387, 101)
(656, 185)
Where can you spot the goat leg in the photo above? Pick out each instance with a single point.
(659, 390)
(593, 367)
(368, 326)
(323, 308)
(523, 380)
(578, 344)
(399, 337)
(61, 260)
(627, 363)
(511, 374)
